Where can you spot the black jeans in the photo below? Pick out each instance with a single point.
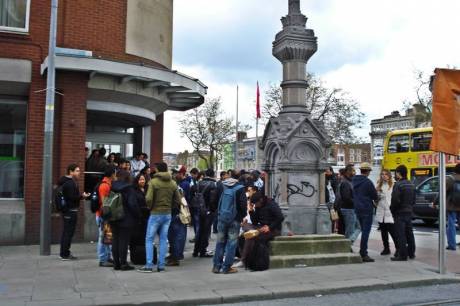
(121, 237)
(405, 240)
(69, 221)
(202, 237)
(385, 229)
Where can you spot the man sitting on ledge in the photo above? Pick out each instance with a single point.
(266, 219)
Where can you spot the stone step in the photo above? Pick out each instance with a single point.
(309, 237)
(305, 247)
(300, 261)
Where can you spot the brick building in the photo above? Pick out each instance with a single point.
(351, 154)
(114, 82)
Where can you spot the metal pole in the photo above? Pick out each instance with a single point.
(257, 143)
(45, 211)
(442, 213)
(236, 142)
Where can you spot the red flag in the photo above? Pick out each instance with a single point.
(258, 102)
(446, 112)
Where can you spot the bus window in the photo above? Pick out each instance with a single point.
(420, 174)
(421, 141)
(398, 144)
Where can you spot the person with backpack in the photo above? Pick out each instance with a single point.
(103, 191)
(177, 234)
(123, 227)
(402, 203)
(231, 210)
(206, 199)
(453, 207)
(266, 218)
(69, 202)
(162, 197)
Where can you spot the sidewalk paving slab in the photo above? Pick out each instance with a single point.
(33, 280)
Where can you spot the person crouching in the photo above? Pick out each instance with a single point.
(266, 217)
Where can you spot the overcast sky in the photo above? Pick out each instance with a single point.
(369, 48)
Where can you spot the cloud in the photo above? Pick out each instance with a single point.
(369, 48)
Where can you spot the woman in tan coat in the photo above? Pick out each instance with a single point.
(383, 215)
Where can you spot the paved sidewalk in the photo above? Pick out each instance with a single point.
(29, 279)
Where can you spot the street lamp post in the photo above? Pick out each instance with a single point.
(45, 211)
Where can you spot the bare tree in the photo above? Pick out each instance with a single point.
(422, 102)
(332, 106)
(207, 130)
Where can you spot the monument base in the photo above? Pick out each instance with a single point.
(301, 220)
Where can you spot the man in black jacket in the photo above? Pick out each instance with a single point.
(402, 202)
(72, 198)
(266, 217)
(205, 193)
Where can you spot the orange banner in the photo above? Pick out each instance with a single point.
(446, 112)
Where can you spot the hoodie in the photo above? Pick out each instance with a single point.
(130, 204)
(364, 193)
(163, 194)
(71, 192)
(241, 200)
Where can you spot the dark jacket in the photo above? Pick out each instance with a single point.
(402, 197)
(344, 194)
(71, 192)
(210, 193)
(270, 214)
(185, 186)
(241, 200)
(450, 181)
(364, 193)
(130, 204)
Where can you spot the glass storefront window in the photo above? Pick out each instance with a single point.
(14, 15)
(12, 148)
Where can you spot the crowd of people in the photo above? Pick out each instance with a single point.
(357, 201)
(153, 201)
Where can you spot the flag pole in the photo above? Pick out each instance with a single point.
(257, 143)
(236, 140)
(442, 213)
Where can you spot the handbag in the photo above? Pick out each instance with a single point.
(107, 234)
(334, 215)
(184, 212)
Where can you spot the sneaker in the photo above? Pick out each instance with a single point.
(411, 256)
(206, 255)
(238, 265)
(398, 259)
(385, 252)
(67, 258)
(450, 249)
(106, 264)
(195, 254)
(231, 271)
(126, 268)
(160, 270)
(173, 263)
(215, 270)
(145, 269)
(367, 259)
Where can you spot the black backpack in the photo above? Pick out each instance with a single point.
(58, 199)
(259, 258)
(94, 198)
(199, 201)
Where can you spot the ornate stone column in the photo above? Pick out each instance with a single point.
(296, 147)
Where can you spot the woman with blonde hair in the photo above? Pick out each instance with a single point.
(383, 215)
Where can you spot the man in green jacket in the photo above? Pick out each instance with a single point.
(162, 196)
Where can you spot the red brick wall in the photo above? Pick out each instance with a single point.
(156, 142)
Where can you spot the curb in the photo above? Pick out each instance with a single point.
(261, 293)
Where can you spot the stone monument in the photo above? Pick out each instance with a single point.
(297, 148)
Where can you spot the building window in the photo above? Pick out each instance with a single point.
(352, 158)
(12, 148)
(14, 15)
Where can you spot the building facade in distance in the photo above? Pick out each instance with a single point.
(345, 154)
(113, 81)
(380, 128)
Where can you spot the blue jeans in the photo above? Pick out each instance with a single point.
(452, 218)
(103, 250)
(157, 223)
(227, 241)
(177, 237)
(352, 229)
(365, 219)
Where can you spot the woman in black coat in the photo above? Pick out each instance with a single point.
(122, 229)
